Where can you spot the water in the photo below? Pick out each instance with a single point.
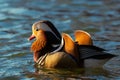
(99, 17)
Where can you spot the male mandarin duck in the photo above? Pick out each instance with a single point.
(51, 50)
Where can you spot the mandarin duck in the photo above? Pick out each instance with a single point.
(53, 50)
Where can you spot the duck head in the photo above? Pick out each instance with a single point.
(46, 36)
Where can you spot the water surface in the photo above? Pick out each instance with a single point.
(101, 18)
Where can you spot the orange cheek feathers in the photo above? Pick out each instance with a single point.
(40, 41)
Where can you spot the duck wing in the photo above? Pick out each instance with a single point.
(89, 51)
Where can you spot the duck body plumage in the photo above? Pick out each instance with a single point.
(51, 50)
(58, 60)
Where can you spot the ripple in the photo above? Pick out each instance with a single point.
(111, 65)
(99, 18)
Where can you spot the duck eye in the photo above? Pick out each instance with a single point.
(37, 29)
